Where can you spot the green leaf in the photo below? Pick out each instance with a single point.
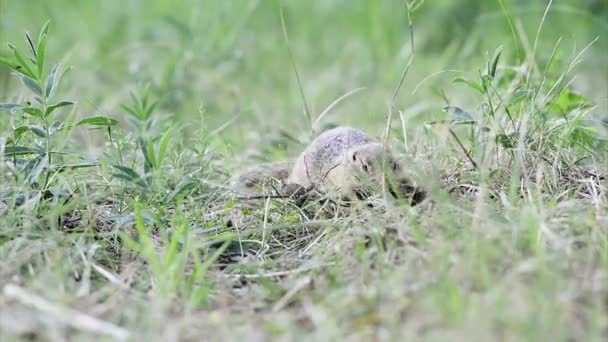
(451, 122)
(52, 108)
(62, 168)
(42, 48)
(147, 149)
(123, 177)
(30, 44)
(457, 114)
(38, 130)
(231, 204)
(40, 56)
(126, 173)
(37, 166)
(506, 141)
(12, 151)
(33, 111)
(56, 127)
(148, 112)
(26, 70)
(51, 82)
(576, 100)
(151, 122)
(582, 136)
(471, 84)
(438, 122)
(98, 121)
(164, 142)
(18, 131)
(492, 70)
(486, 83)
(183, 187)
(129, 175)
(11, 64)
(464, 122)
(519, 95)
(567, 101)
(31, 84)
(44, 29)
(151, 153)
(10, 106)
(130, 111)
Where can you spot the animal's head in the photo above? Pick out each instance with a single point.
(372, 162)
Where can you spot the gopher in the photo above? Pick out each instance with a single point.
(342, 161)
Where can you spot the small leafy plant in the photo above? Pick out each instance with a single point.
(523, 119)
(32, 147)
(144, 170)
(169, 250)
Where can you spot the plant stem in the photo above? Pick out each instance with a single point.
(466, 152)
(47, 133)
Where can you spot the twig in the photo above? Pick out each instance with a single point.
(265, 224)
(333, 104)
(295, 68)
(281, 303)
(247, 198)
(66, 315)
(464, 150)
(110, 277)
(278, 273)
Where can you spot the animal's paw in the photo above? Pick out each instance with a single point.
(297, 193)
(414, 193)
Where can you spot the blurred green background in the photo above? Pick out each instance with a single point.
(230, 57)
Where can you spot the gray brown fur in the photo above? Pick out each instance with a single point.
(342, 160)
(266, 174)
(327, 151)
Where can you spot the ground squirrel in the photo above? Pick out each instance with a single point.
(344, 161)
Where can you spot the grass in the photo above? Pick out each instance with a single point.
(119, 219)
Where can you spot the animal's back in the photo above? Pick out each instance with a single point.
(324, 153)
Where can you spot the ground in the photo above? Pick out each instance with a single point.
(125, 123)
